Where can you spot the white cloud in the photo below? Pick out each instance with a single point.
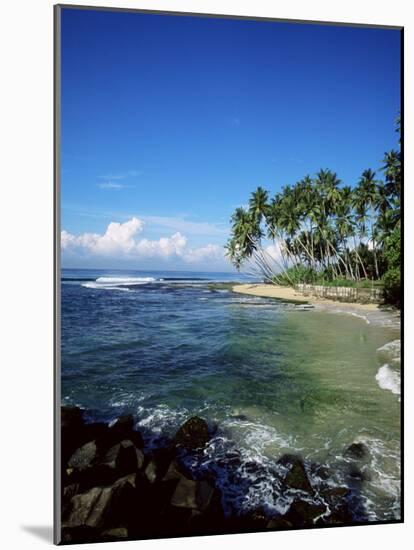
(111, 185)
(209, 252)
(120, 241)
(164, 247)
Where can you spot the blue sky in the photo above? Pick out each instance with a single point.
(173, 121)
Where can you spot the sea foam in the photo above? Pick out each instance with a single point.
(388, 379)
(118, 283)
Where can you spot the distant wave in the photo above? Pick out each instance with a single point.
(117, 283)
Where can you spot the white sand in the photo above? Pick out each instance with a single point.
(290, 294)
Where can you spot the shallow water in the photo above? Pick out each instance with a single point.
(273, 377)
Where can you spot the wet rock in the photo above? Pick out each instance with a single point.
(296, 478)
(112, 535)
(303, 513)
(103, 506)
(193, 434)
(71, 417)
(83, 457)
(123, 428)
(278, 523)
(198, 495)
(72, 437)
(357, 474)
(79, 535)
(184, 495)
(205, 494)
(89, 509)
(356, 451)
(124, 457)
(151, 471)
(257, 519)
(158, 464)
(341, 515)
(336, 492)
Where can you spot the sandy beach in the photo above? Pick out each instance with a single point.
(290, 294)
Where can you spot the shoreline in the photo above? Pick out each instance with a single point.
(289, 294)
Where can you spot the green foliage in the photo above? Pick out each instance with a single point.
(392, 277)
(321, 231)
(295, 275)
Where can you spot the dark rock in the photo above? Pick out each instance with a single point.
(103, 507)
(341, 515)
(257, 519)
(158, 464)
(79, 535)
(71, 417)
(279, 523)
(336, 492)
(288, 460)
(356, 474)
(297, 477)
(356, 451)
(124, 457)
(193, 434)
(176, 471)
(107, 436)
(205, 494)
(184, 495)
(124, 423)
(89, 509)
(151, 471)
(68, 493)
(114, 534)
(83, 457)
(303, 513)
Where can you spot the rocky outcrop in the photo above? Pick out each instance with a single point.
(114, 488)
(193, 434)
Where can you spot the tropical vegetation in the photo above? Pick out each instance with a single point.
(321, 230)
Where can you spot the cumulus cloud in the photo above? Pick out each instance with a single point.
(122, 240)
(118, 238)
(164, 247)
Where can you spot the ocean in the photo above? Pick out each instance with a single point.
(270, 378)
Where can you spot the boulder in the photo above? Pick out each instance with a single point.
(83, 457)
(193, 434)
(158, 464)
(124, 457)
(103, 507)
(79, 535)
(302, 513)
(278, 523)
(117, 533)
(89, 509)
(176, 471)
(336, 492)
(71, 417)
(356, 451)
(184, 495)
(123, 428)
(296, 478)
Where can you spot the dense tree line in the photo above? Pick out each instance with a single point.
(323, 230)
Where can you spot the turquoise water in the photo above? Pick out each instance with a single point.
(271, 378)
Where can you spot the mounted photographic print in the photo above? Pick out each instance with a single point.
(228, 274)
